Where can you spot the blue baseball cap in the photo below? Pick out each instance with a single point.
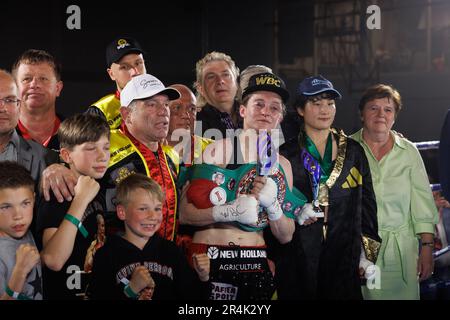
(312, 86)
(266, 82)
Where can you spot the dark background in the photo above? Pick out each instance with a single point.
(279, 33)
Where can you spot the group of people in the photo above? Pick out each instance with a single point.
(155, 189)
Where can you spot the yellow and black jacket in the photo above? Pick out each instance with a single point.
(109, 108)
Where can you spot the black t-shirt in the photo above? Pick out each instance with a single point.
(71, 281)
(117, 259)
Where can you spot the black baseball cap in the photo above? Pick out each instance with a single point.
(266, 82)
(121, 47)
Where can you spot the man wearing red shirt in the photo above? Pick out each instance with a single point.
(38, 76)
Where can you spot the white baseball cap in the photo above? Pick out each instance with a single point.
(145, 86)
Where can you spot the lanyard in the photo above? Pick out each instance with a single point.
(325, 164)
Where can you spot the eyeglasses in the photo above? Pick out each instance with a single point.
(10, 102)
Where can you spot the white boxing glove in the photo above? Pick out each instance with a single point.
(308, 212)
(244, 210)
(268, 199)
(268, 193)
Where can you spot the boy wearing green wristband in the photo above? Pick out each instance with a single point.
(20, 268)
(69, 228)
(141, 265)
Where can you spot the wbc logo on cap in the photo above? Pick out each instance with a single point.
(268, 80)
(122, 43)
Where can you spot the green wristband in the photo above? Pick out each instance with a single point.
(15, 295)
(130, 293)
(77, 223)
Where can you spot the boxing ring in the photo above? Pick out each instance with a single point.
(438, 286)
(432, 145)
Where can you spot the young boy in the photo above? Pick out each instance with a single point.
(20, 268)
(68, 228)
(141, 264)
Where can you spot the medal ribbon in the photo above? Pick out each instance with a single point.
(266, 155)
(325, 164)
